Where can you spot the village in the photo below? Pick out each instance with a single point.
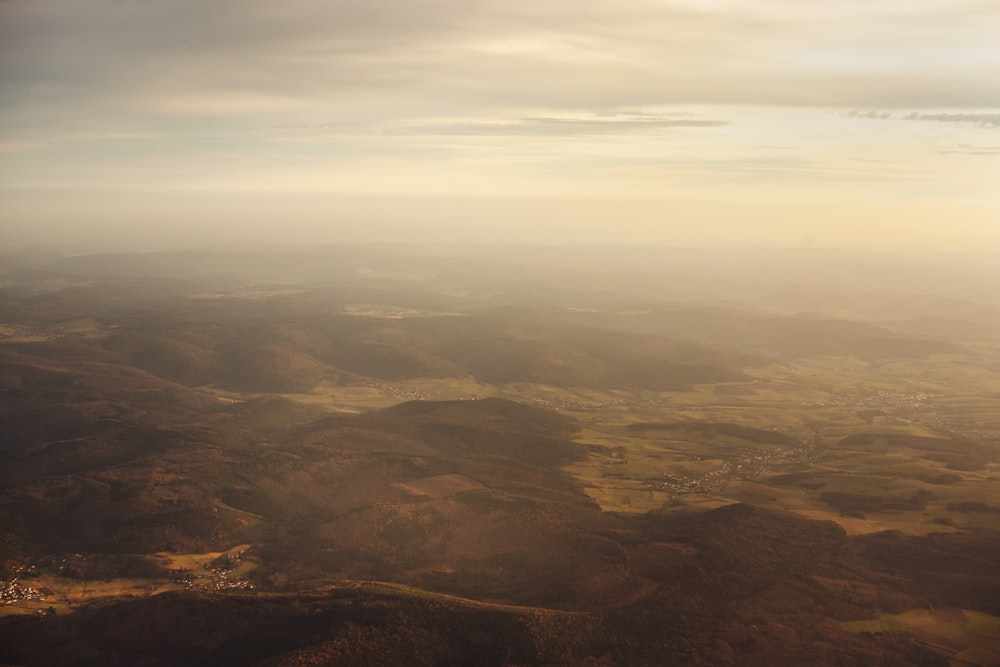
(11, 590)
(749, 465)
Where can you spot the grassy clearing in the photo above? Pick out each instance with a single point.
(883, 624)
(983, 625)
(391, 312)
(958, 631)
(64, 594)
(440, 486)
(198, 565)
(354, 398)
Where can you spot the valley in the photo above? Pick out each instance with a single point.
(366, 446)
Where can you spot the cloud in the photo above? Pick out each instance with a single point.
(985, 120)
(400, 60)
(543, 126)
(966, 149)
(870, 114)
(977, 119)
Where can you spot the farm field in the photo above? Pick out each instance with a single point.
(795, 455)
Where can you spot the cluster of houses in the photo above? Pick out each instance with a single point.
(563, 403)
(222, 569)
(751, 464)
(413, 393)
(886, 400)
(12, 591)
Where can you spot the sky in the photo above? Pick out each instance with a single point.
(805, 123)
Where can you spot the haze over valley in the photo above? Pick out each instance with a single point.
(499, 455)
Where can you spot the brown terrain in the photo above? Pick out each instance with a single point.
(205, 464)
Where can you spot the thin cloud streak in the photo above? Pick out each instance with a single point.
(558, 126)
(980, 119)
(985, 120)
